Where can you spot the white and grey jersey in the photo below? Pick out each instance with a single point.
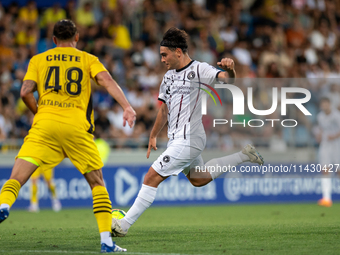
(181, 91)
(329, 125)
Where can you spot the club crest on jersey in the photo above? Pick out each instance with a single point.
(166, 159)
(191, 75)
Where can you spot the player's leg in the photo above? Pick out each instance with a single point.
(326, 188)
(200, 179)
(48, 177)
(326, 180)
(82, 151)
(41, 147)
(214, 168)
(21, 172)
(211, 168)
(145, 198)
(34, 201)
(101, 204)
(102, 209)
(171, 162)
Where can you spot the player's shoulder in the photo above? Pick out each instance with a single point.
(205, 66)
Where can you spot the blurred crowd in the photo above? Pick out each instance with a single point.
(266, 38)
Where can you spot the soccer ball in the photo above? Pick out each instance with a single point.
(118, 214)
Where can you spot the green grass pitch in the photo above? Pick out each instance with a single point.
(238, 229)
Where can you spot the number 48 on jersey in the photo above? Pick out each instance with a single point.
(73, 75)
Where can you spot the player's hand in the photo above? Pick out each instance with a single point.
(226, 64)
(332, 137)
(129, 116)
(152, 144)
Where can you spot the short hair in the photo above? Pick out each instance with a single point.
(64, 29)
(175, 38)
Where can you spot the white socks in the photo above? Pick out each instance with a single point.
(105, 237)
(145, 198)
(224, 163)
(4, 206)
(326, 186)
(243, 156)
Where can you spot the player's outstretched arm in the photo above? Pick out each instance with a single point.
(26, 93)
(227, 64)
(104, 79)
(157, 127)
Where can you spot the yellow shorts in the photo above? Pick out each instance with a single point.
(49, 142)
(47, 174)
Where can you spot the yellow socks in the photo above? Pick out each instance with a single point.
(34, 194)
(102, 208)
(52, 189)
(9, 192)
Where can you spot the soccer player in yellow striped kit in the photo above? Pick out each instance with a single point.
(63, 122)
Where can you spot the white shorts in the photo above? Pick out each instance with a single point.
(180, 156)
(329, 153)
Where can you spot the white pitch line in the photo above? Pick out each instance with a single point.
(86, 252)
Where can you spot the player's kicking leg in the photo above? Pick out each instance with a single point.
(21, 172)
(102, 210)
(152, 179)
(248, 154)
(145, 198)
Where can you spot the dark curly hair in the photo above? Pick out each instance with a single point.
(64, 29)
(175, 38)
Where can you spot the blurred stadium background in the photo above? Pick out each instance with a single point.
(266, 38)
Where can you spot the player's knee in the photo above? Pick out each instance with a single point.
(49, 183)
(94, 178)
(152, 178)
(198, 182)
(22, 181)
(149, 177)
(93, 182)
(93, 185)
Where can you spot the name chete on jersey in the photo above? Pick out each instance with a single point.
(62, 57)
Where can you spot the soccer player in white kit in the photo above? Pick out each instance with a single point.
(329, 150)
(181, 108)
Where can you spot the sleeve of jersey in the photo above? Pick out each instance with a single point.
(96, 67)
(208, 71)
(161, 96)
(32, 71)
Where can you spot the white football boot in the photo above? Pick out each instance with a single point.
(253, 154)
(117, 229)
